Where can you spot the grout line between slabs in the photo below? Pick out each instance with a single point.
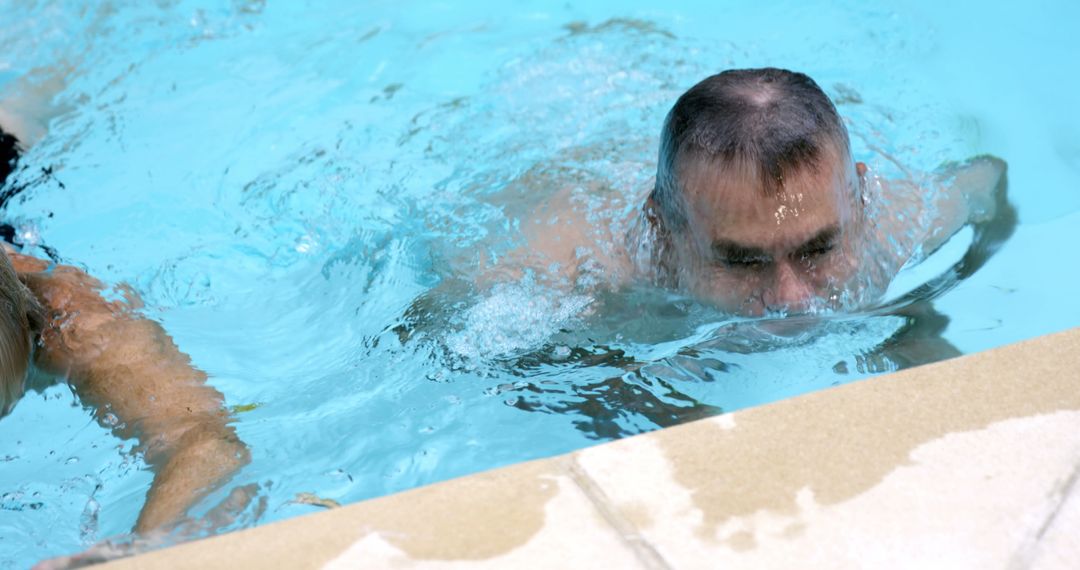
(1024, 556)
(643, 550)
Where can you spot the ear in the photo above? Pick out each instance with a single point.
(652, 215)
(661, 251)
(862, 198)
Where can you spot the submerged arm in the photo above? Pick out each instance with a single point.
(970, 192)
(141, 385)
(917, 218)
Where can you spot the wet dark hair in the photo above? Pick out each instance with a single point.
(9, 154)
(776, 120)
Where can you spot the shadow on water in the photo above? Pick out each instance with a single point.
(609, 393)
(612, 407)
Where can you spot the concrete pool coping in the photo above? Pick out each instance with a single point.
(967, 463)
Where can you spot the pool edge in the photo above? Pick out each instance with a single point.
(970, 462)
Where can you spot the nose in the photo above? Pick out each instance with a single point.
(790, 289)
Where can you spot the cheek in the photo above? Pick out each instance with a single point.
(834, 270)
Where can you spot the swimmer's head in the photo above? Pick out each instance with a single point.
(756, 197)
(20, 318)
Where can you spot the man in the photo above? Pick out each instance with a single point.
(759, 208)
(123, 366)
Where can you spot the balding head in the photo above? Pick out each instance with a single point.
(773, 121)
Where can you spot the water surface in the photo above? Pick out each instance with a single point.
(298, 190)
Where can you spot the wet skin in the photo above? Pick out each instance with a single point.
(832, 237)
(124, 365)
(751, 250)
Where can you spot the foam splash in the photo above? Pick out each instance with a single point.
(513, 317)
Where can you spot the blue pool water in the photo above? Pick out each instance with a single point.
(285, 183)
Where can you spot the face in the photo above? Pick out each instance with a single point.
(752, 251)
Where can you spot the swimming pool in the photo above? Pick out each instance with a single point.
(286, 185)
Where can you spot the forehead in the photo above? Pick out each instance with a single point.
(729, 202)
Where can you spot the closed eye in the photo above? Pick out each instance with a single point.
(756, 262)
(817, 251)
(732, 255)
(819, 246)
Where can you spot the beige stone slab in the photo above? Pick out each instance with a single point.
(955, 465)
(1057, 545)
(970, 463)
(531, 515)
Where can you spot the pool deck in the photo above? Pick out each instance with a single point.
(969, 463)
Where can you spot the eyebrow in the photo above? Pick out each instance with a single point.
(734, 251)
(824, 238)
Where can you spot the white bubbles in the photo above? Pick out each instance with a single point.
(306, 244)
(513, 317)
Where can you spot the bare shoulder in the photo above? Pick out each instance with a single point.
(63, 288)
(978, 180)
(24, 263)
(980, 170)
(78, 319)
(567, 231)
(913, 218)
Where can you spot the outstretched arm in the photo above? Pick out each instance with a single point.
(915, 218)
(970, 192)
(141, 385)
